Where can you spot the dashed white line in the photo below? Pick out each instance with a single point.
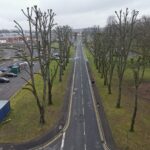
(81, 85)
(82, 91)
(83, 110)
(84, 146)
(63, 141)
(84, 127)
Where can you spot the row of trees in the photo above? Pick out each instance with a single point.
(41, 39)
(112, 45)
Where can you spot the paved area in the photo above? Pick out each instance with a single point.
(9, 89)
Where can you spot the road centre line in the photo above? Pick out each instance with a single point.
(83, 110)
(84, 127)
(84, 146)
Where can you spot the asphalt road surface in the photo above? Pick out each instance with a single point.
(9, 89)
(82, 132)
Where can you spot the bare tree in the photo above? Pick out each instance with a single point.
(138, 67)
(111, 58)
(40, 26)
(96, 45)
(59, 34)
(125, 32)
(64, 37)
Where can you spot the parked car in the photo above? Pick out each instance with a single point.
(10, 74)
(16, 64)
(1, 73)
(4, 69)
(23, 65)
(10, 66)
(4, 80)
(56, 56)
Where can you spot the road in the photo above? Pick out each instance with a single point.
(82, 133)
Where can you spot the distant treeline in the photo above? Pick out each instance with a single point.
(8, 31)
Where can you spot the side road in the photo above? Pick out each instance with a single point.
(104, 122)
(51, 133)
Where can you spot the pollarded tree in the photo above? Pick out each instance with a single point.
(64, 38)
(44, 24)
(138, 68)
(142, 36)
(96, 46)
(139, 65)
(125, 25)
(59, 33)
(40, 25)
(111, 45)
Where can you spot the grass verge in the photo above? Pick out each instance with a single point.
(119, 119)
(23, 124)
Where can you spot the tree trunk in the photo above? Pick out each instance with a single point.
(109, 88)
(109, 82)
(135, 111)
(42, 115)
(60, 73)
(44, 90)
(105, 80)
(99, 66)
(50, 102)
(96, 62)
(64, 67)
(105, 77)
(118, 105)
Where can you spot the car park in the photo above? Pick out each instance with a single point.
(4, 80)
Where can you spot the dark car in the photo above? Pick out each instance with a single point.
(10, 66)
(10, 74)
(4, 80)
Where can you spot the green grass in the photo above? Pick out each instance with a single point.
(119, 119)
(23, 124)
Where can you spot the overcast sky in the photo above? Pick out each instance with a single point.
(76, 13)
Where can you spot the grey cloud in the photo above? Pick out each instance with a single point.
(77, 13)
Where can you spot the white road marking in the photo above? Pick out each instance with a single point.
(81, 85)
(83, 110)
(84, 127)
(82, 101)
(82, 91)
(63, 141)
(84, 146)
